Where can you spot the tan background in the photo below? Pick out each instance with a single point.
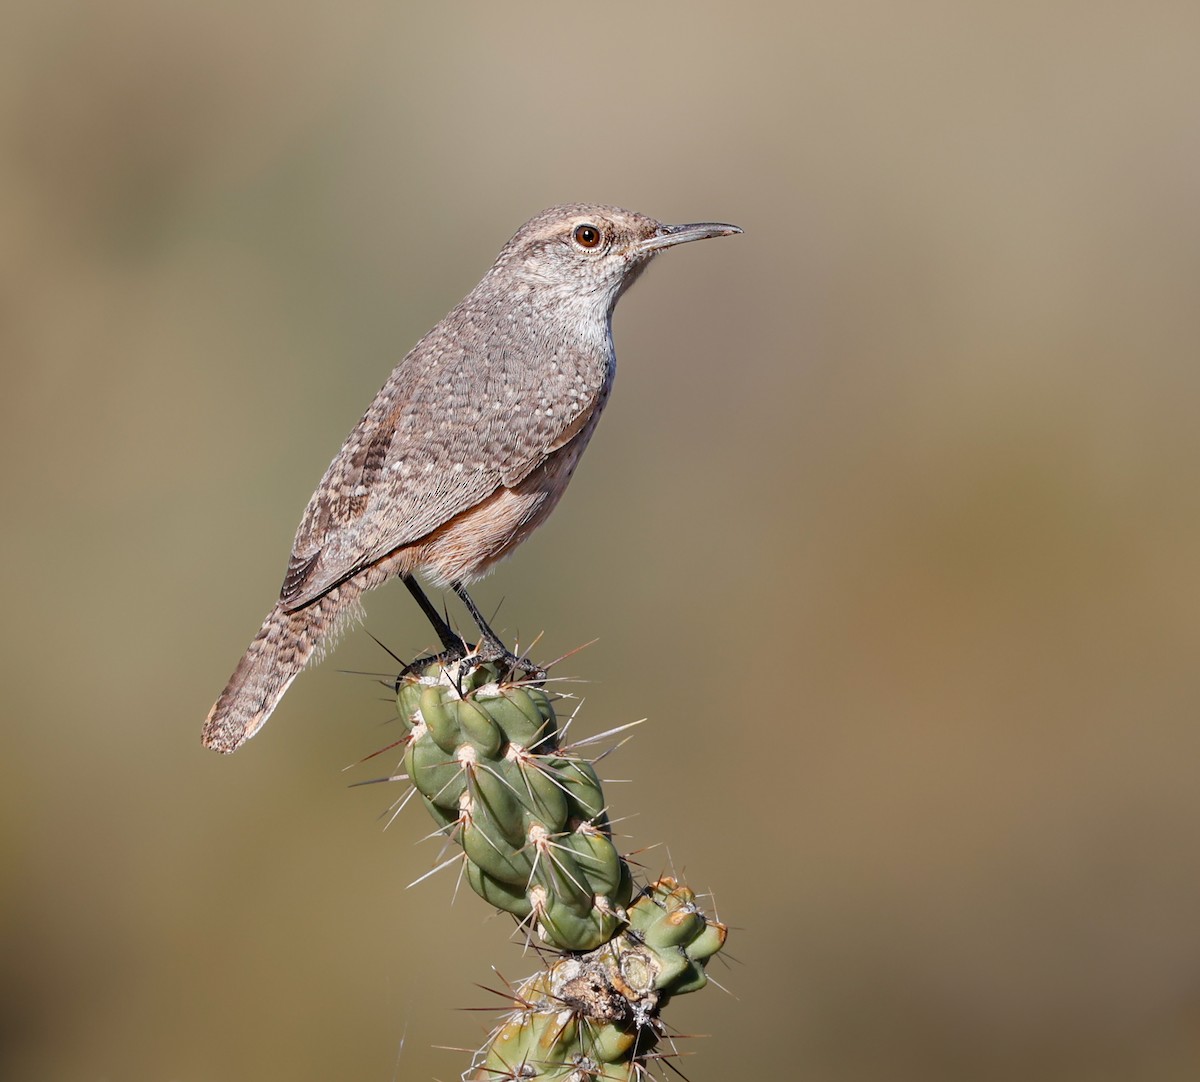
(891, 530)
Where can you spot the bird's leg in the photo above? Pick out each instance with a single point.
(453, 644)
(491, 641)
(493, 648)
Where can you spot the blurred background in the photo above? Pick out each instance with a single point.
(890, 529)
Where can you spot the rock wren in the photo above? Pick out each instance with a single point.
(465, 450)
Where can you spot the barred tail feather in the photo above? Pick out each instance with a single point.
(283, 646)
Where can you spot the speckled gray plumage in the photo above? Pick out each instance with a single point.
(466, 448)
(479, 402)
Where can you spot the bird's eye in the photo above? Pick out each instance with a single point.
(587, 236)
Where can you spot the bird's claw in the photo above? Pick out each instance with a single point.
(491, 651)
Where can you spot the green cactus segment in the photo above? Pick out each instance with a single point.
(596, 1016)
(486, 759)
(677, 934)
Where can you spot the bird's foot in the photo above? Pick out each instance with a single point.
(450, 656)
(489, 651)
(512, 667)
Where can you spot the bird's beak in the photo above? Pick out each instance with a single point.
(670, 235)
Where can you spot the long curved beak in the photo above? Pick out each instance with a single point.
(670, 235)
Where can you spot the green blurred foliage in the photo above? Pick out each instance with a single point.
(891, 528)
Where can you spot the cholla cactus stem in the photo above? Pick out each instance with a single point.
(489, 762)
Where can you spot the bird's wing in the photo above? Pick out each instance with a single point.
(421, 455)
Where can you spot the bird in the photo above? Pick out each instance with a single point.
(465, 450)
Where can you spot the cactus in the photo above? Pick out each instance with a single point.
(596, 1016)
(486, 758)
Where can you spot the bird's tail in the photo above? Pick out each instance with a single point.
(283, 646)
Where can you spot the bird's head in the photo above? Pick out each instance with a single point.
(592, 251)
